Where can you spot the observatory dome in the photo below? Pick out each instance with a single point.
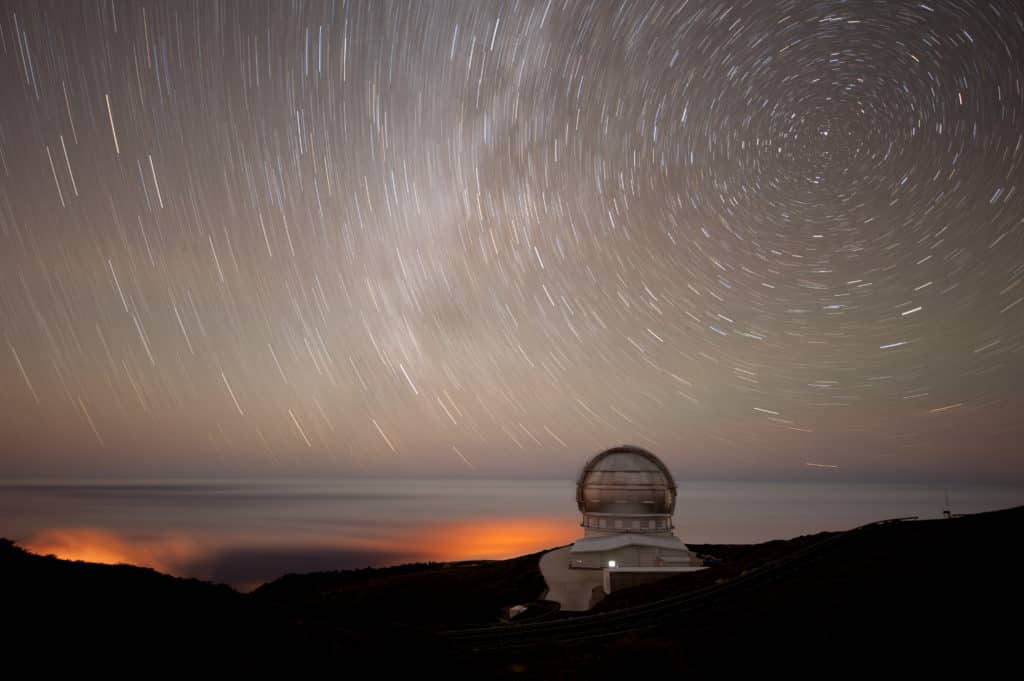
(626, 496)
(626, 489)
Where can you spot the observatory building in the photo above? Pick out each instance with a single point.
(627, 496)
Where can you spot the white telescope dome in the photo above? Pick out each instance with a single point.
(626, 482)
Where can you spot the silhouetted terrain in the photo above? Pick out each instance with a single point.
(938, 596)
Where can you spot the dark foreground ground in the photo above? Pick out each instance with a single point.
(940, 597)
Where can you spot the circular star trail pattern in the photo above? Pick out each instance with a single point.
(298, 238)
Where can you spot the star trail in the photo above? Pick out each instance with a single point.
(289, 238)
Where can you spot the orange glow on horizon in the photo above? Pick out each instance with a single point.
(91, 545)
(184, 556)
(495, 538)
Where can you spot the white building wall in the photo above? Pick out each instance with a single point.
(626, 556)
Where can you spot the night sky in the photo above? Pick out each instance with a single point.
(761, 239)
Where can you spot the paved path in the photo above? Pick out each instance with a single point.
(572, 589)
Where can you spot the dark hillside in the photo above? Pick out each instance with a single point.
(936, 597)
(93, 616)
(925, 597)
